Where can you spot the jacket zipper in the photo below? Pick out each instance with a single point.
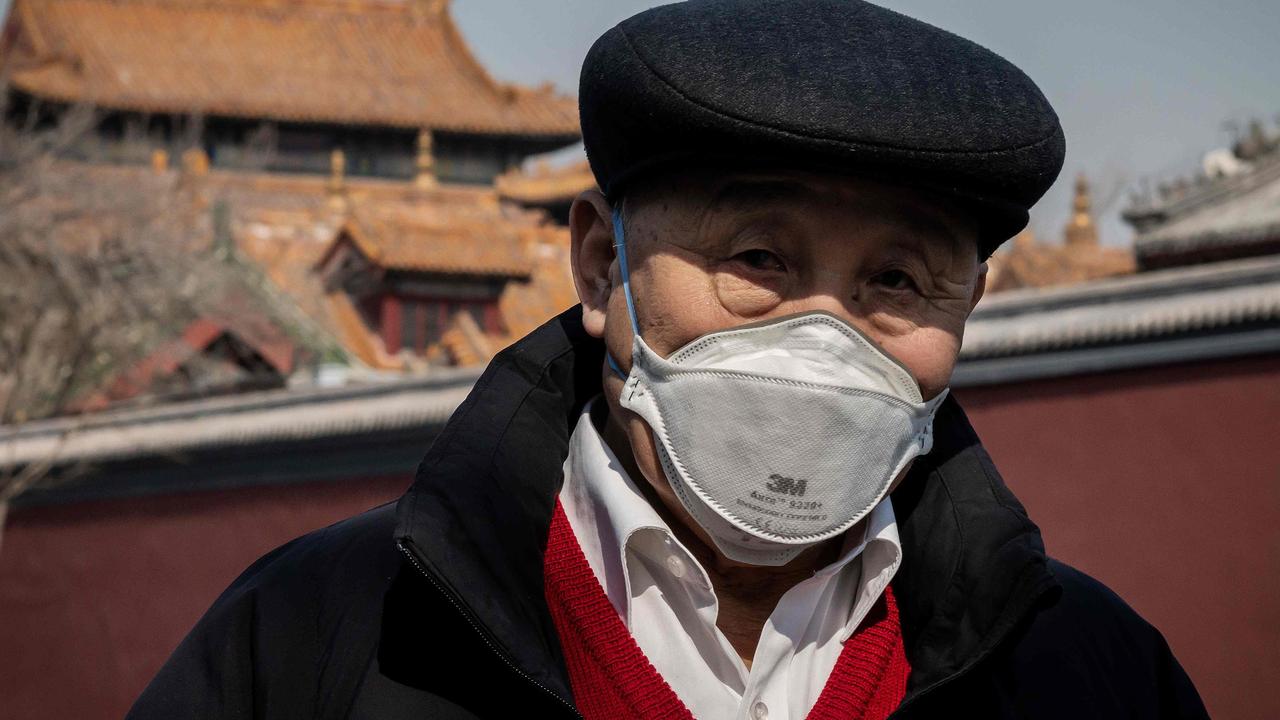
(475, 625)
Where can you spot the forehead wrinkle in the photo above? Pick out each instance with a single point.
(751, 193)
(921, 226)
(884, 204)
(742, 196)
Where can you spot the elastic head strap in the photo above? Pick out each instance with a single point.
(620, 246)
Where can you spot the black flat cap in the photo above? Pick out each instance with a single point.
(835, 85)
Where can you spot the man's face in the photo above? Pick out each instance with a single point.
(709, 253)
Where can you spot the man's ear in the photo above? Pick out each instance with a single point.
(592, 256)
(979, 286)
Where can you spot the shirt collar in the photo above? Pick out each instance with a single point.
(881, 526)
(606, 509)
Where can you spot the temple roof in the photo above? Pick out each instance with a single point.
(1025, 262)
(1182, 314)
(1029, 263)
(399, 238)
(543, 184)
(1233, 216)
(399, 63)
(290, 225)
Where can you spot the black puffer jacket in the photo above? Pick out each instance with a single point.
(434, 608)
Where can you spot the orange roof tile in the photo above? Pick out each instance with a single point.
(378, 62)
(285, 225)
(1032, 264)
(465, 342)
(1028, 263)
(401, 239)
(289, 225)
(355, 337)
(543, 184)
(254, 329)
(524, 304)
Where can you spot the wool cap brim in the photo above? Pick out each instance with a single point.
(839, 86)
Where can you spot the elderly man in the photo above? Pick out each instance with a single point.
(732, 484)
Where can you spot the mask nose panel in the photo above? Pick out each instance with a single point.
(814, 347)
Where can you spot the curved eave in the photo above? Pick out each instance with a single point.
(1227, 309)
(238, 421)
(552, 134)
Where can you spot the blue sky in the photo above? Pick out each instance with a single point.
(1143, 87)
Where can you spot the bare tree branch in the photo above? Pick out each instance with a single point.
(99, 264)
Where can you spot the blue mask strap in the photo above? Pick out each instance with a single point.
(613, 364)
(620, 245)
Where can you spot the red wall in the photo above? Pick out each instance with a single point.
(1164, 484)
(94, 596)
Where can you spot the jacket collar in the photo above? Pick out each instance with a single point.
(973, 563)
(479, 511)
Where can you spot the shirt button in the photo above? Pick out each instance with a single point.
(675, 566)
(759, 711)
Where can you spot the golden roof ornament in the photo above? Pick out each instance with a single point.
(337, 185)
(195, 162)
(425, 162)
(1080, 230)
(159, 160)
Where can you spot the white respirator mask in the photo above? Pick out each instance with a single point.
(776, 436)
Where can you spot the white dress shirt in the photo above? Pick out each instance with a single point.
(666, 600)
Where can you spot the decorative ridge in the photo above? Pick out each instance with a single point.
(1264, 170)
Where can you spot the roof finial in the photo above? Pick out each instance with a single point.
(1255, 143)
(1080, 230)
(425, 178)
(195, 162)
(337, 178)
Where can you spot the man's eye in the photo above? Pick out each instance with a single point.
(894, 280)
(762, 260)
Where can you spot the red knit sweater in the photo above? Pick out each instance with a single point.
(613, 680)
